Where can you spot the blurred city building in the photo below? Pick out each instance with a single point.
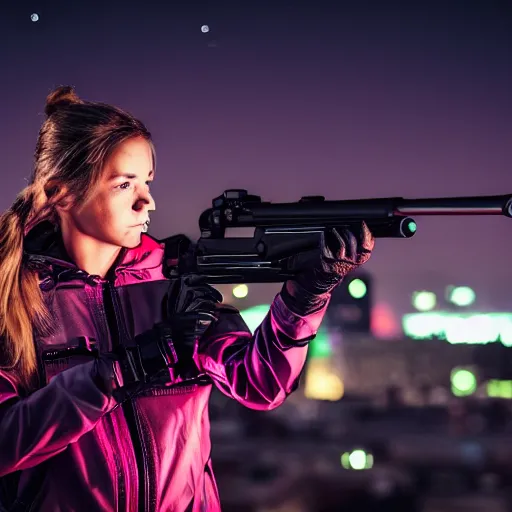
(399, 414)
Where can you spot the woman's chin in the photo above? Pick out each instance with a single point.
(132, 241)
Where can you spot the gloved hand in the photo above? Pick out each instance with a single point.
(147, 360)
(192, 308)
(319, 271)
(157, 356)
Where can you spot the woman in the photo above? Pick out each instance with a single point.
(89, 418)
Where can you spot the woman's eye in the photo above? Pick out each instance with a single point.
(125, 185)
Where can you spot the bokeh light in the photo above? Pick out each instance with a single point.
(357, 459)
(357, 288)
(424, 300)
(461, 296)
(464, 382)
(240, 291)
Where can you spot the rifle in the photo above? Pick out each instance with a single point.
(284, 229)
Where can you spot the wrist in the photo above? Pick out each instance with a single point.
(301, 301)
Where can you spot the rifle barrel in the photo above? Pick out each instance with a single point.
(376, 208)
(479, 205)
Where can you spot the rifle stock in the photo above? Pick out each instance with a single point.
(284, 229)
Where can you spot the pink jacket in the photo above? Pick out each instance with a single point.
(68, 447)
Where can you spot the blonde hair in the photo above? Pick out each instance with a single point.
(21, 302)
(73, 145)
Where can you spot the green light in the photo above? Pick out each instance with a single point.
(424, 301)
(255, 315)
(320, 346)
(357, 459)
(494, 388)
(357, 288)
(459, 327)
(499, 389)
(461, 295)
(411, 226)
(463, 382)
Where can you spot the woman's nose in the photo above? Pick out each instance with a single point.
(144, 200)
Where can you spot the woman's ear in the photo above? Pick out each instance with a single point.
(59, 195)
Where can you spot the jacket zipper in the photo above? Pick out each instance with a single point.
(128, 406)
(136, 436)
(112, 326)
(118, 332)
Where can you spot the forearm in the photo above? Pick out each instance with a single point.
(259, 370)
(38, 427)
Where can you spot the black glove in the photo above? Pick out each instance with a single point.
(192, 307)
(159, 355)
(148, 360)
(319, 271)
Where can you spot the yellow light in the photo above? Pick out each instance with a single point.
(240, 291)
(321, 383)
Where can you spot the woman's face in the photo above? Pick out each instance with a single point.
(119, 205)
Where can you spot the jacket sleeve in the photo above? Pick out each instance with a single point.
(35, 428)
(259, 370)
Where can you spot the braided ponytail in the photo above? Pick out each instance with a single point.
(21, 303)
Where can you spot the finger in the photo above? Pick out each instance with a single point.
(195, 280)
(199, 304)
(336, 243)
(331, 244)
(367, 241)
(348, 241)
(207, 292)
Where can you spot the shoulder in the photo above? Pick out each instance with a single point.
(142, 263)
(152, 259)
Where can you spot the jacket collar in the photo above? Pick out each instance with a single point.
(43, 248)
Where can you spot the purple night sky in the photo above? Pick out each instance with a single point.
(289, 100)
